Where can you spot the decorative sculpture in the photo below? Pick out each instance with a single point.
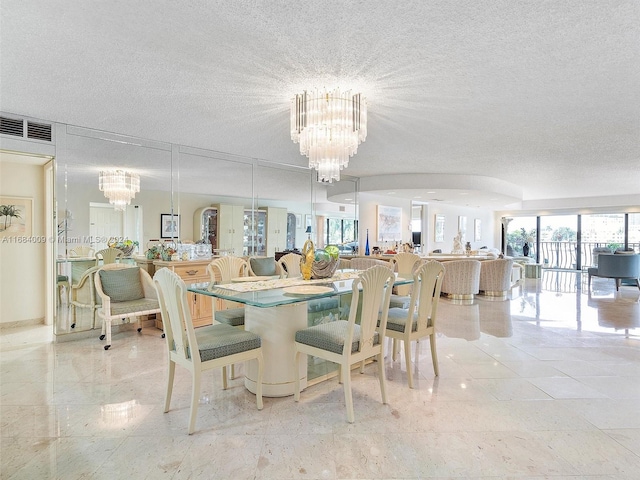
(457, 243)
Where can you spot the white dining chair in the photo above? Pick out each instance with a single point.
(290, 263)
(404, 263)
(200, 349)
(419, 320)
(346, 342)
(223, 270)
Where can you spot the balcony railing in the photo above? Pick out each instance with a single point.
(563, 254)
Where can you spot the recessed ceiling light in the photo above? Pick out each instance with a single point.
(418, 196)
(431, 192)
(348, 199)
(391, 193)
(464, 193)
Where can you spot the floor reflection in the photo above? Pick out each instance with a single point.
(560, 299)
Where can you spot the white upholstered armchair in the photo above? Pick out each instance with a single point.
(495, 277)
(461, 279)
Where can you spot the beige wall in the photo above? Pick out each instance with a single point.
(22, 265)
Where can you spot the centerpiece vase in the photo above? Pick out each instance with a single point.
(308, 257)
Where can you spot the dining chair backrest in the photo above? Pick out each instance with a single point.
(404, 263)
(427, 281)
(291, 264)
(359, 263)
(82, 251)
(223, 269)
(176, 316)
(109, 255)
(374, 284)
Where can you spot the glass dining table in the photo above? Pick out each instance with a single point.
(275, 310)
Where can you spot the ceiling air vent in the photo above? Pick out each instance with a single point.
(39, 131)
(11, 126)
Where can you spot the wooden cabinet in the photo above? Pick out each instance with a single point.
(276, 230)
(194, 271)
(222, 226)
(231, 228)
(205, 225)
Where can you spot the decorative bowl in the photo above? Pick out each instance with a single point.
(128, 250)
(324, 268)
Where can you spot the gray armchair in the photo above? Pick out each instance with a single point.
(617, 266)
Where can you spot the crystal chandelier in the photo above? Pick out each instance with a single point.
(329, 125)
(119, 187)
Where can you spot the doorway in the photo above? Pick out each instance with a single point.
(105, 222)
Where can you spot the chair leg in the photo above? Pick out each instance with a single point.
(362, 366)
(224, 378)
(407, 359)
(108, 331)
(348, 397)
(383, 379)
(195, 396)
(296, 391)
(259, 382)
(233, 372)
(394, 350)
(170, 377)
(434, 354)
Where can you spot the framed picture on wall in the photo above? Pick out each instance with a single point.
(169, 225)
(462, 227)
(477, 230)
(16, 216)
(438, 228)
(298, 220)
(389, 224)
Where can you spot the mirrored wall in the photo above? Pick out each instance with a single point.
(183, 192)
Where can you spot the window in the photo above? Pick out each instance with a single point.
(519, 231)
(341, 231)
(599, 231)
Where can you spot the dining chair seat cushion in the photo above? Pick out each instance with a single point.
(263, 266)
(397, 319)
(63, 278)
(217, 341)
(330, 336)
(232, 316)
(122, 285)
(139, 306)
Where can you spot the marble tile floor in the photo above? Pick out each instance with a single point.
(544, 384)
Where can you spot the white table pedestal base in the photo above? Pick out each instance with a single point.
(277, 327)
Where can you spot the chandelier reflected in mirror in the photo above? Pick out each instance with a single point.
(329, 126)
(119, 187)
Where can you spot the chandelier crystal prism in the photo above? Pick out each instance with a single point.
(329, 126)
(119, 187)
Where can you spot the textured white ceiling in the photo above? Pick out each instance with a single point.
(544, 95)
